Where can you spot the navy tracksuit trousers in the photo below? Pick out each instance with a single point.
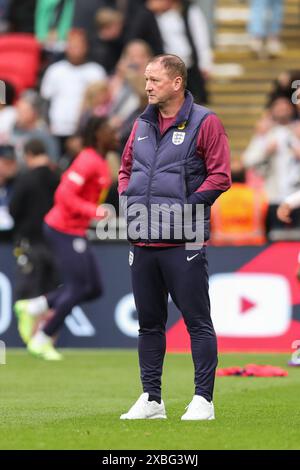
(79, 272)
(156, 272)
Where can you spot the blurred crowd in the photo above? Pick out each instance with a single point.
(91, 61)
(273, 154)
(265, 174)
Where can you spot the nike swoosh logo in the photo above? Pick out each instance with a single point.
(142, 138)
(189, 258)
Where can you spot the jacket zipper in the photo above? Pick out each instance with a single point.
(158, 139)
(159, 136)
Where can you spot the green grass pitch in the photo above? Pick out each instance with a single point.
(76, 404)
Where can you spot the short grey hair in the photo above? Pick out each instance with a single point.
(174, 66)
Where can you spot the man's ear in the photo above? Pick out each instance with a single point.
(177, 83)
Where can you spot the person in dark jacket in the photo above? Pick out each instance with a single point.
(106, 43)
(144, 26)
(84, 11)
(175, 163)
(21, 15)
(31, 199)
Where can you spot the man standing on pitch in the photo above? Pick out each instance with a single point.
(177, 153)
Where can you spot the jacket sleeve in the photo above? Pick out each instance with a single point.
(126, 162)
(213, 146)
(69, 191)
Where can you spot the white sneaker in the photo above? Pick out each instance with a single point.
(199, 409)
(144, 409)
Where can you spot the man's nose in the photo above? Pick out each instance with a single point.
(148, 86)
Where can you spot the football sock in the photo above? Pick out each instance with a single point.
(41, 338)
(38, 305)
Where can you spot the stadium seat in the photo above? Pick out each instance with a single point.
(20, 56)
(19, 42)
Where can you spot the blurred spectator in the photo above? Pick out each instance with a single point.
(64, 85)
(252, 157)
(283, 86)
(107, 42)
(8, 171)
(130, 68)
(30, 125)
(265, 25)
(85, 11)
(128, 8)
(138, 87)
(96, 102)
(21, 15)
(239, 215)
(53, 20)
(4, 4)
(73, 147)
(272, 154)
(31, 199)
(184, 32)
(144, 26)
(7, 114)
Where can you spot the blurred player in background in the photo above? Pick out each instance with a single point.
(284, 213)
(76, 204)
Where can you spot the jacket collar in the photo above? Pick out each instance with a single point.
(150, 114)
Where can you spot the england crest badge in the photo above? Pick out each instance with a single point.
(178, 138)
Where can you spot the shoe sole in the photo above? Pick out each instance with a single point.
(198, 419)
(40, 356)
(150, 417)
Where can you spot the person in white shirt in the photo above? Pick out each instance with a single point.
(272, 155)
(64, 85)
(292, 201)
(8, 113)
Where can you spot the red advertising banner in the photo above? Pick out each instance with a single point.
(256, 307)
